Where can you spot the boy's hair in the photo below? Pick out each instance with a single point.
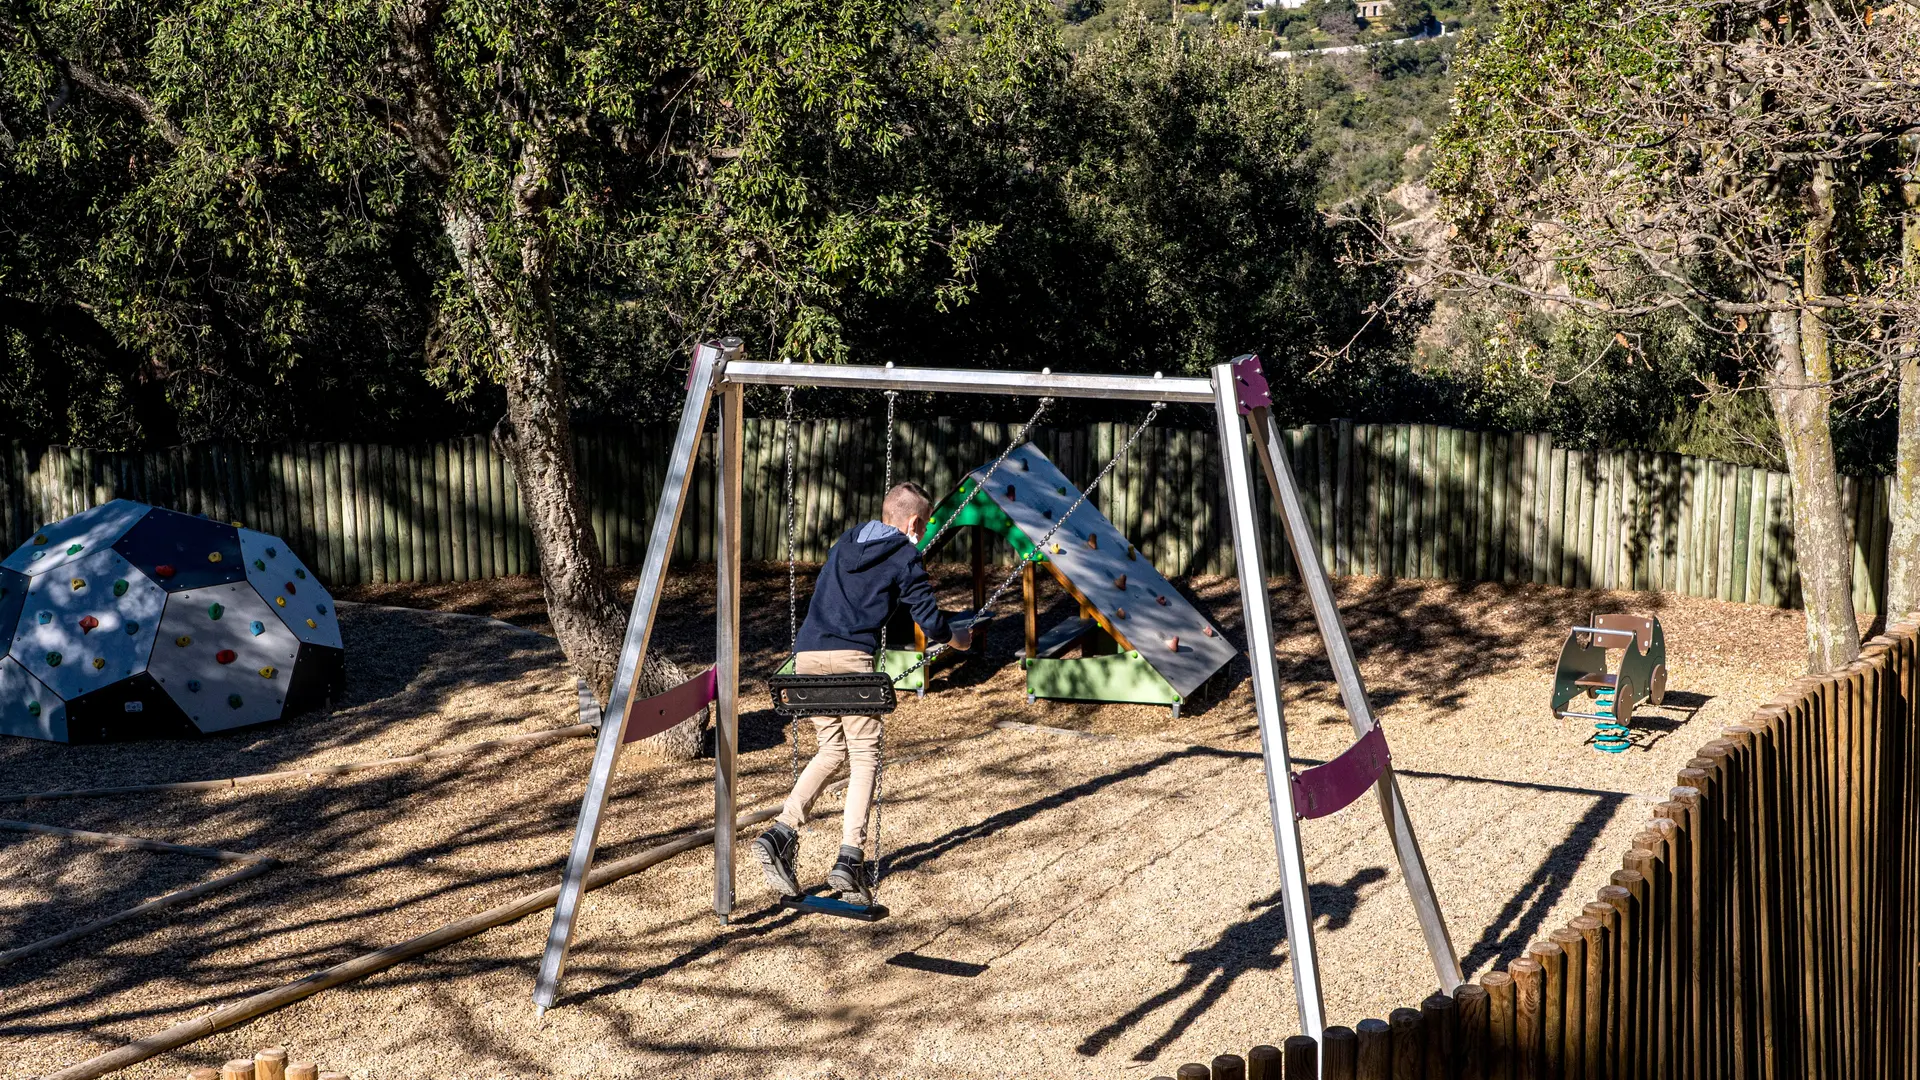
(905, 500)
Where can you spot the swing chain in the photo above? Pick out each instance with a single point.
(880, 743)
(1007, 582)
(793, 601)
(1012, 445)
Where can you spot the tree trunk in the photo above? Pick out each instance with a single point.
(516, 310)
(1903, 539)
(1801, 395)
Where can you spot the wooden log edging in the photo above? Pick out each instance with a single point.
(1764, 924)
(270, 1063)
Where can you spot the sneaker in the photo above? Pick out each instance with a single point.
(849, 877)
(778, 849)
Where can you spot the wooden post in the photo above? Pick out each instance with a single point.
(1227, 1066)
(237, 1069)
(1593, 1007)
(1375, 1056)
(1409, 1055)
(270, 1064)
(979, 558)
(1264, 1063)
(1553, 999)
(1438, 1018)
(1029, 595)
(1339, 1053)
(1192, 1070)
(1302, 1058)
(1501, 1036)
(1529, 1018)
(1473, 1001)
(203, 1073)
(1573, 1003)
(303, 1070)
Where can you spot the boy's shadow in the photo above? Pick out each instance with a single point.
(1251, 945)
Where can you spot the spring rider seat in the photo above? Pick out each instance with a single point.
(1583, 667)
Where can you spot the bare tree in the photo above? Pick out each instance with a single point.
(1738, 161)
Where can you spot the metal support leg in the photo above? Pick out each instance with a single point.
(708, 361)
(1353, 692)
(726, 728)
(1266, 706)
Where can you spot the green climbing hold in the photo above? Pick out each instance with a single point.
(214, 611)
(53, 659)
(33, 708)
(120, 587)
(74, 549)
(301, 574)
(259, 564)
(233, 701)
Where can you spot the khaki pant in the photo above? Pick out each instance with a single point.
(841, 738)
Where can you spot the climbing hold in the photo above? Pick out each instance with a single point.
(1207, 630)
(33, 708)
(41, 539)
(226, 656)
(290, 589)
(75, 549)
(38, 555)
(1057, 549)
(1010, 491)
(1060, 491)
(99, 663)
(1129, 551)
(1161, 600)
(311, 625)
(322, 608)
(132, 628)
(45, 617)
(1093, 542)
(1119, 613)
(135, 706)
(120, 587)
(1173, 642)
(281, 600)
(163, 571)
(213, 556)
(78, 583)
(272, 554)
(183, 641)
(233, 701)
(53, 659)
(266, 672)
(193, 686)
(257, 627)
(214, 611)
(259, 564)
(299, 573)
(87, 623)
(1120, 582)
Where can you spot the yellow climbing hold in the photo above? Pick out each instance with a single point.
(311, 625)
(213, 556)
(183, 641)
(281, 600)
(41, 539)
(79, 583)
(266, 673)
(98, 663)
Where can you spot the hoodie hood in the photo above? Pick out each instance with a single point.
(875, 543)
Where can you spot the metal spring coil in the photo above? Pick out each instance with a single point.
(1609, 736)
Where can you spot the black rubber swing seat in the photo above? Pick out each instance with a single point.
(859, 693)
(829, 905)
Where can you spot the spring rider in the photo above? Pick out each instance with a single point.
(1583, 667)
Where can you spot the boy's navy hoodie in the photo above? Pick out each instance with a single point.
(871, 569)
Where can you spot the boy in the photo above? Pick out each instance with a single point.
(872, 569)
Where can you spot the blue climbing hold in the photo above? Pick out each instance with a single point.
(193, 686)
(45, 617)
(257, 627)
(132, 628)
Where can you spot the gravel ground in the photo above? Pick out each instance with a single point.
(1063, 907)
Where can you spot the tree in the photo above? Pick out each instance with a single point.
(1903, 538)
(695, 153)
(1732, 161)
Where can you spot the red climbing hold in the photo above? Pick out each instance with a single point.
(1173, 643)
(163, 571)
(87, 623)
(290, 589)
(226, 656)
(1207, 630)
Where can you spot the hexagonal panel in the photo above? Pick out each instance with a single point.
(13, 599)
(224, 657)
(182, 552)
(28, 706)
(89, 623)
(135, 708)
(282, 580)
(73, 537)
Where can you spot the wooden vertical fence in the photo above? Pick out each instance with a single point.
(1762, 925)
(1386, 500)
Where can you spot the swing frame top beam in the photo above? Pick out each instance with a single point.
(1042, 384)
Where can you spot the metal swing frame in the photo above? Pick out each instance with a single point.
(1237, 392)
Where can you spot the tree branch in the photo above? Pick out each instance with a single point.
(155, 116)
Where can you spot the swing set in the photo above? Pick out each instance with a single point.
(1237, 392)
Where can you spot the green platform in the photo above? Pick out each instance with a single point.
(1123, 676)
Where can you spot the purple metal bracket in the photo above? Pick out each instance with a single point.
(1250, 384)
(661, 711)
(1330, 788)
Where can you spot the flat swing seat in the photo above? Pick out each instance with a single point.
(829, 905)
(859, 693)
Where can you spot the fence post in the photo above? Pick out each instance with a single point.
(1375, 1056)
(1339, 1054)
